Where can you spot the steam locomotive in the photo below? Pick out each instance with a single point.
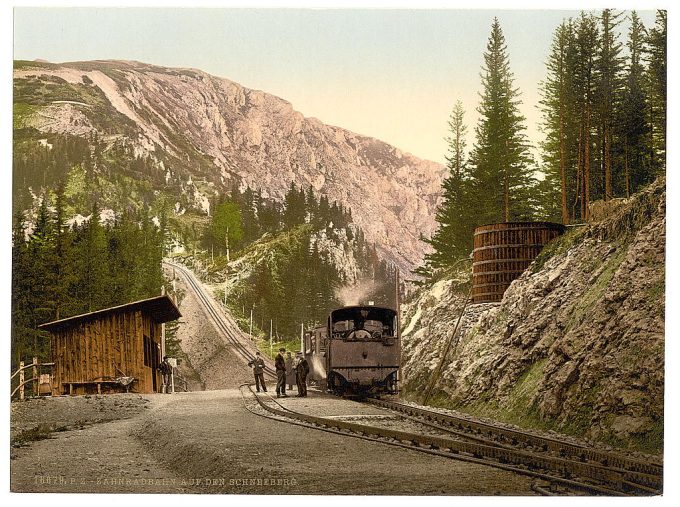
(357, 352)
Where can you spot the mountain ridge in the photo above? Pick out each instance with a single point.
(202, 126)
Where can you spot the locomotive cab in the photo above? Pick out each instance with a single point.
(363, 350)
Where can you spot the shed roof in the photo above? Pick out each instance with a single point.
(161, 308)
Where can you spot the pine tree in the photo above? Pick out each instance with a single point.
(311, 204)
(251, 228)
(324, 211)
(557, 108)
(35, 280)
(268, 214)
(23, 322)
(586, 44)
(123, 246)
(149, 258)
(657, 56)
(41, 248)
(92, 265)
(500, 158)
(64, 261)
(453, 237)
(634, 113)
(294, 213)
(609, 66)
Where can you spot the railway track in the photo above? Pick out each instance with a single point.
(501, 434)
(571, 476)
(231, 330)
(561, 464)
(631, 474)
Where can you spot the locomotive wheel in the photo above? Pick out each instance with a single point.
(335, 384)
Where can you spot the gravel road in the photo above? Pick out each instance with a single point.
(207, 442)
(93, 450)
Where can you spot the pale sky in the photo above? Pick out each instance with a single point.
(390, 74)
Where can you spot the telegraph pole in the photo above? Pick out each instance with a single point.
(398, 330)
(437, 372)
(163, 325)
(302, 338)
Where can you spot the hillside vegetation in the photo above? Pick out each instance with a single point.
(296, 276)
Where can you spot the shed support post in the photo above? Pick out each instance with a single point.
(35, 376)
(21, 381)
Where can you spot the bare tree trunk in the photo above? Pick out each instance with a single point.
(507, 197)
(651, 136)
(577, 192)
(563, 170)
(607, 163)
(627, 172)
(586, 164)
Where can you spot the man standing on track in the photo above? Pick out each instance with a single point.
(258, 370)
(280, 364)
(301, 370)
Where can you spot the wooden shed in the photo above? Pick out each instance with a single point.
(111, 350)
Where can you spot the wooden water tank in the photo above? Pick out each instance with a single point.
(502, 252)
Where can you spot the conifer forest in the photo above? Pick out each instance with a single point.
(93, 219)
(603, 110)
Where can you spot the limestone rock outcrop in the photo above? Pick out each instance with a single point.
(577, 344)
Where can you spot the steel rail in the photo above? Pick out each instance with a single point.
(641, 479)
(645, 474)
(217, 318)
(509, 459)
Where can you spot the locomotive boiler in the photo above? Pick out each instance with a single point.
(357, 352)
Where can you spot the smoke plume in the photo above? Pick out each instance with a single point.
(358, 293)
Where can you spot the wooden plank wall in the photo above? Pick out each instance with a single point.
(101, 349)
(152, 330)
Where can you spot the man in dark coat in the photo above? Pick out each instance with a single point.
(302, 370)
(280, 364)
(258, 371)
(166, 371)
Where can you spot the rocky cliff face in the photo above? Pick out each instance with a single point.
(197, 125)
(577, 344)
